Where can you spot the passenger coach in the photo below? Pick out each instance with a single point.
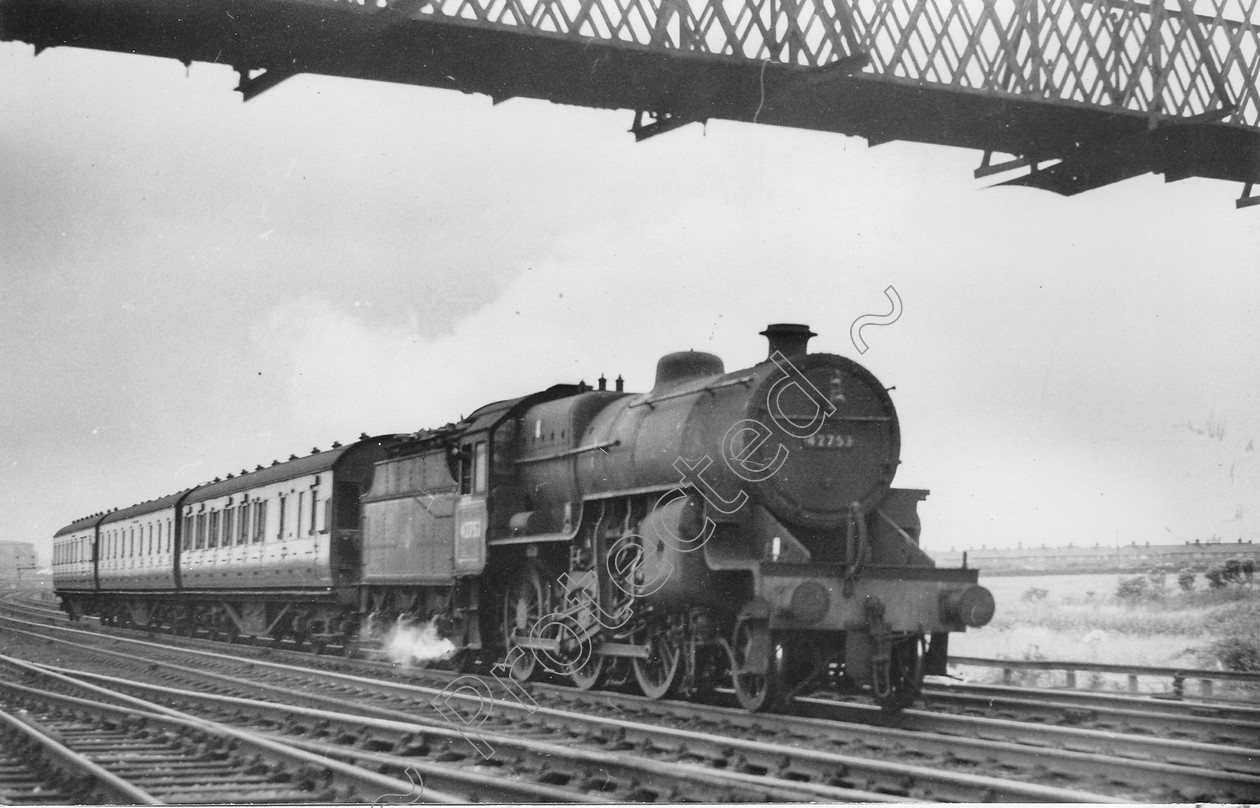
(274, 552)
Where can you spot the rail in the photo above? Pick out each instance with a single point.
(1205, 678)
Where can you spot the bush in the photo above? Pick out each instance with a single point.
(1237, 653)
(1034, 593)
(1131, 589)
(1216, 577)
(1186, 580)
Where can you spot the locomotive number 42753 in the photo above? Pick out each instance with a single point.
(829, 440)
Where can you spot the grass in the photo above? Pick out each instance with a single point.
(1080, 619)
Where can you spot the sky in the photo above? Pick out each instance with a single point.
(191, 285)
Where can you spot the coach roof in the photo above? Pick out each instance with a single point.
(140, 509)
(296, 467)
(80, 524)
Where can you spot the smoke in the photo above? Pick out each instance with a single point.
(408, 643)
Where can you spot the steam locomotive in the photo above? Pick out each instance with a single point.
(722, 529)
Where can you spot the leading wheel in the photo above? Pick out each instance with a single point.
(658, 674)
(524, 604)
(759, 666)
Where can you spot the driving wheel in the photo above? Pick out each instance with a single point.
(524, 604)
(658, 674)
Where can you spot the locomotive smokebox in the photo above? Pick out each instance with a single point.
(789, 339)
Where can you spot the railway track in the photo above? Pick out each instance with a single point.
(521, 770)
(1175, 766)
(38, 768)
(1184, 719)
(942, 762)
(63, 749)
(1190, 719)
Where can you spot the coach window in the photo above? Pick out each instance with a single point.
(201, 531)
(314, 508)
(260, 521)
(283, 509)
(297, 515)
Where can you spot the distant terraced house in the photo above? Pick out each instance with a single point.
(1132, 557)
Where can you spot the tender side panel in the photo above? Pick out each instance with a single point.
(409, 535)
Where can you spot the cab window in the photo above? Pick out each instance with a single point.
(474, 468)
(481, 467)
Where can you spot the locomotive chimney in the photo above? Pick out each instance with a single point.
(621, 384)
(603, 382)
(790, 339)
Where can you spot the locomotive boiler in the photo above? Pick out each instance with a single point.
(721, 529)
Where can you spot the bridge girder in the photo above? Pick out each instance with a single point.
(1111, 89)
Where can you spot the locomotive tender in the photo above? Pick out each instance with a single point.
(720, 529)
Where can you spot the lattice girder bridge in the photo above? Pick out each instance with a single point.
(1079, 93)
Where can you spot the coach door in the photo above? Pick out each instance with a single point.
(471, 517)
